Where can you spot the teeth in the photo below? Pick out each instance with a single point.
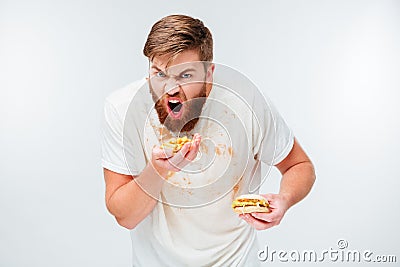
(173, 101)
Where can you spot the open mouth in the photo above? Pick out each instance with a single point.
(175, 107)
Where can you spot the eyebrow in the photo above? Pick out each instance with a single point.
(155, 67)
(185, 70)
(188, 69)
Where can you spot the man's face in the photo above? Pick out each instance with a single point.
(179, 90)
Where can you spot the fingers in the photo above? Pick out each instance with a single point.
(187, 153)
(256, 223)
(167, 159)
(273, 200)
(180, 155)
(270, 197)
(263, 216)
(194, 148)
(262, 220)
(162, 153)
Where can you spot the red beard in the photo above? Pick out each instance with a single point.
(190, 115)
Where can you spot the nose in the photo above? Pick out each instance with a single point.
(172, 86)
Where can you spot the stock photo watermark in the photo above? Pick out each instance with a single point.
(340, 253)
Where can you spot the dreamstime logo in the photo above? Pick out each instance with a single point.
(339, 254)
(232, 123)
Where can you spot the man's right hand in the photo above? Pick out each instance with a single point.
(131, 199)
(164, 160)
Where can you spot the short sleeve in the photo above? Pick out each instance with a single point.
(112, 141)
(272, 137)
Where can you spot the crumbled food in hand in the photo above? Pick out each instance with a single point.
(176, 143)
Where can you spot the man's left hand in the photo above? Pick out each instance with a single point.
(278, 205)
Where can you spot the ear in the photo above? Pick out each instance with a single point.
(210, 72)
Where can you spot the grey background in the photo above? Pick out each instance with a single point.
(331, 67)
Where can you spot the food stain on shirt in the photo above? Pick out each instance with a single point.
(236, 187)
(169, 175)
(181, 182)
(217, 151)
(177, 184)
(203, 148)
(187, 181)
(220, 149)
(230, 151)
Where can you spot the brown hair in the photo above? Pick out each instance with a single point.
(176, 33)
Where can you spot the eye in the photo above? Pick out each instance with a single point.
(186, 75)
(160, 74)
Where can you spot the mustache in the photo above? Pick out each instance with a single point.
(159, 98)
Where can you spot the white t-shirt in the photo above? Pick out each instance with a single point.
(193, 224)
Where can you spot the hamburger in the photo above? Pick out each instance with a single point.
(176, 143)
(250, 203)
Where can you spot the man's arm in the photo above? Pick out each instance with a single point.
(131, 199)
(298, 177)
(126, 200)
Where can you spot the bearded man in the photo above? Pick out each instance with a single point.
(177, 204)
